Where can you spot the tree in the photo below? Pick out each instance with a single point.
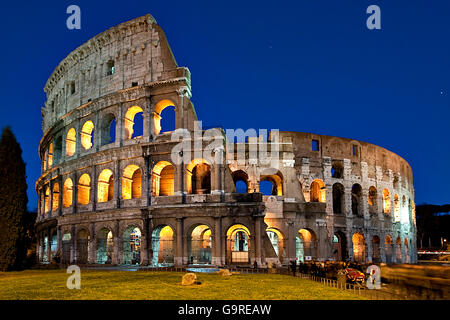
(13, 203)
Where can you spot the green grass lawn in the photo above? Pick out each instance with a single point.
(128, 285)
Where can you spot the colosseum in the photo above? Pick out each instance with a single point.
(110, 191)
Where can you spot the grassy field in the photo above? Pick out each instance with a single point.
(127, 285)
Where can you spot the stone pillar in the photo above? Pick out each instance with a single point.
(58, 241)
(117, 192)
(349, 235)
(49, 245)
(75, 192)
(97, 132)
(368, 238)
(216, 181)
(179, 259)
(92, 245)
(217, 242)
(144, 243)
(146, 190)
(116, 253)
(73, 247)
(291, 253)
(258, 249)
(94, 185)
(119, 126)
(60, 196)
(180, 179)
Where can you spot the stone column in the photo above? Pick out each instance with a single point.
(144, 243)
(75, 192)
(50, 198)
(179, 259)
(92, 245)
(119, 126)
(117, 192)
(73, 247)
(368, 239)
(217, 242)
(258, 249)
(58, 241)
(49, 245)
(383, 247)
(116, 256)
(146, 190)
(60, 196)
(94, 185)
(291, 253)
(97, 132)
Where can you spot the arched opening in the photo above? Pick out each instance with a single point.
(50, 155)
(164, 116)
(53, 245)
(199, 245)
(372, 200)
(271, 184)
(277, 240)
(83, 247)
(163, 179)
(356, 200)
(87, 135)
(388, 248)
(132, 182)
(238, 244)
(46, 199)
(66, 246)
(44, 161)
(131, 245)
(108, 129)
(338, 198)
(105, 188)
(67, 193)
(396, 208)
(84, 189)
(318, 191)
(376, 250)
(337, 169)
(105, 246)
(45, 249)
(134, 122)
(306, 245)
(198, 177)
(386, 202)
(340, 246)
(398, 249)
(71, 142)
(55, 196)
(359, 248)
(240, 179)
(406, 251)
(162, 245)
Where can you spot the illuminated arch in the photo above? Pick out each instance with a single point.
(277, 240)
(359, 247)
(84, 189)
(50, 155)
(238, 244)
(386, 202)
(318, 191)
(200, 244)
(131, 245)
(55, 196)
(83, 239)
(132, 182)
(47, 199)
(87, 135)
(105, 187)
(276, 180)
(160, 106)
(396, 208)
(162, 245)
(67, 193)
(198, 177)
(163, 179)
(71, 141)
(105, 246)
(129, 121)
(388, 248)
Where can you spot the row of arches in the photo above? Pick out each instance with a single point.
(400, 252)
(269, 184)
(198, 174)
(133, 127)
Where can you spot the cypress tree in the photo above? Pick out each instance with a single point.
(13, 203)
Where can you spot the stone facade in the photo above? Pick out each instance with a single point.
(107, 195)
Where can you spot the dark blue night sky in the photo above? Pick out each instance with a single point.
(309, 66)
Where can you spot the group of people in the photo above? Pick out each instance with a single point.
(327, 269)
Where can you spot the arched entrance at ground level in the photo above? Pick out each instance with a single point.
(82, 247)
(340, 246)
(398, 250)
(376, 250)
(305, 245)
(238, 244)
(359, 247)
(162, 246)
(105, 245)
(199, 245)
(277, 240)
(131, 245)
(53, 245)
(388, 249)
(65, 243)
(45, 249)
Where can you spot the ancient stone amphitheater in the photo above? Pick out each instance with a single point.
(110, 191)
